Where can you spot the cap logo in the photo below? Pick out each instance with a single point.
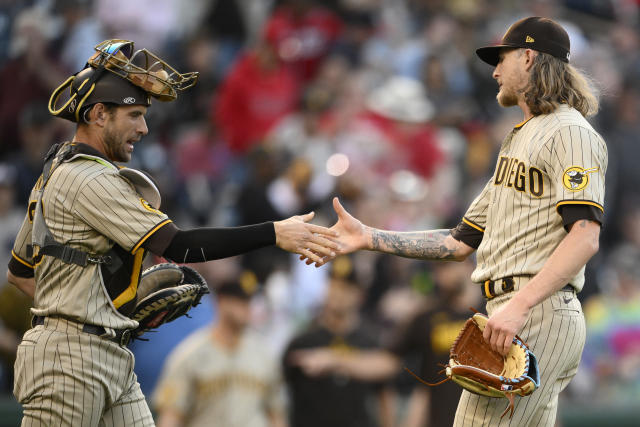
(529, 39)
(568, 56)
(72, 106)
(129, 100)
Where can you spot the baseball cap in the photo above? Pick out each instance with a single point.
(244, 288)
(401, 98)
(343, 268)
(534, 32)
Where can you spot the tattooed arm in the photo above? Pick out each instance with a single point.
(429, 245)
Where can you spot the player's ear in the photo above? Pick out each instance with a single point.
(529, 57)
(98, 114)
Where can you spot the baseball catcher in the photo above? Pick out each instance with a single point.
(478, 368)
(89, 225)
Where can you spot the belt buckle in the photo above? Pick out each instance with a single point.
(508, 284)
(125, 337)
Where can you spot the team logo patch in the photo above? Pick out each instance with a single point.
(148, 207)
(576, 178)
(129, 100)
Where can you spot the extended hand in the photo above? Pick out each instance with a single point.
(504, 324)
(311, 241)
(352, 234)
(314, 362)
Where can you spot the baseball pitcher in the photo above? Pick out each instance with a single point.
(535, 224)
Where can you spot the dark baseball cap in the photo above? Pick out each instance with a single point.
(343, 269)
(244, 288)
(541, 34)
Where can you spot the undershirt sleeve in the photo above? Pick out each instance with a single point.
(468, 234)
(574, 213)
(206, 244)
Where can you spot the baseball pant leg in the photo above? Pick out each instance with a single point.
(49, 381)
(131, 409)
(556, 333)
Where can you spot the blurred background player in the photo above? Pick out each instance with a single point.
(319, 395)
(221, 375)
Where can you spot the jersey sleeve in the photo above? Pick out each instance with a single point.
(21, 263)
(470, 230)
(175, 389)
(110, 205)
(576, 165)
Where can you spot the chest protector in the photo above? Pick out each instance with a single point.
(120, 269)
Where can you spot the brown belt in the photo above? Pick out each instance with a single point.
(123, 336)
(494, 288)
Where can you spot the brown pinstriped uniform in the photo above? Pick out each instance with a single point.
(546, 163)
(88, 206)
(211, 385)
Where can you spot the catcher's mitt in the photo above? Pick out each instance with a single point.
(166, 292)
(478, 368)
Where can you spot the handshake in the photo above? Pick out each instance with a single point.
(317, 244)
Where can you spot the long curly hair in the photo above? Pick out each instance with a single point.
(553, 82)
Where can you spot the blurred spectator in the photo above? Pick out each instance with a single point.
(623, 150)
(13, 306)
(258, 91)
(80, 32)
(401, 112)
(202, 161)
(11, 213)
(319, 396)
(429, 336)
(220, 375)
(302, 137)
(610, 369)
(149, 23)
(36, 129)
(29, 76)
(302, 32)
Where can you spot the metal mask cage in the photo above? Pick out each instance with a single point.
(142, 68)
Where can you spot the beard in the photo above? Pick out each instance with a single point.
(115, 146)
(507, 98)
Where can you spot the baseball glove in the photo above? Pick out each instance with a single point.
(166, 292)
(475, 366)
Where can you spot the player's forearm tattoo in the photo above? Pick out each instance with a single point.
(419, 244)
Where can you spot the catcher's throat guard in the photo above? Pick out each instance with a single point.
(481, 370)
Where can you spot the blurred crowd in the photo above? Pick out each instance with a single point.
(380, 102)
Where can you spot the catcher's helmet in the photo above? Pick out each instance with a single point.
(132, 78)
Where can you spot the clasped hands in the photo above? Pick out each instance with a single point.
(318, 244)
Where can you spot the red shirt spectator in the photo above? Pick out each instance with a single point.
(258, 91)
(302, 35)
(417, 140)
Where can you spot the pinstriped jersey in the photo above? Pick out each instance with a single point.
(545, 164)
(212, 385)
(87, 205)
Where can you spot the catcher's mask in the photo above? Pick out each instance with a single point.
(133, 77)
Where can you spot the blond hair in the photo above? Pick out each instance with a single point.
(553, 82)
